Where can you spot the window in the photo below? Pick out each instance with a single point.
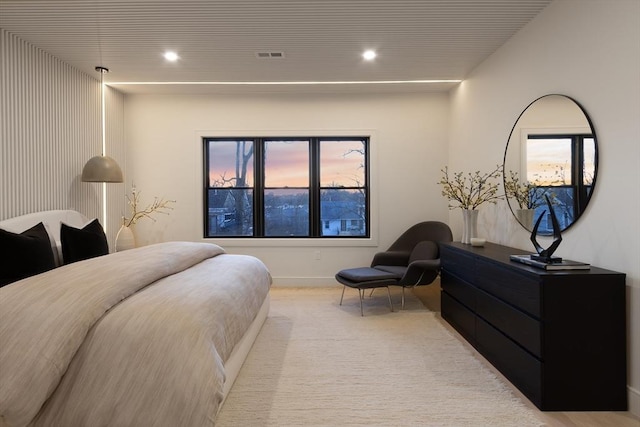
(286, 187)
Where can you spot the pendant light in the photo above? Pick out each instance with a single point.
(102, 168)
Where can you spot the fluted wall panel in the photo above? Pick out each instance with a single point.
(50, 125)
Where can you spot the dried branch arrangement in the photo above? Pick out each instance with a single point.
(471, 190)
(158, 206)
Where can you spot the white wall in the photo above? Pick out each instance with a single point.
(408, 142)
(589, 50)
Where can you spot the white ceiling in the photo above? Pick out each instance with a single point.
(322, 40)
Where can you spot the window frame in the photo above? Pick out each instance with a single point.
(316, 223)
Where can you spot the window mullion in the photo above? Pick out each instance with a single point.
(314, 188)
(578, 173)
(258, 193)
(207, 185)
(367, 186)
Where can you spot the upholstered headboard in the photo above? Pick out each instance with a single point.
(51, 220)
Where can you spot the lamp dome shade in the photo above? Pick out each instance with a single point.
(101, 169)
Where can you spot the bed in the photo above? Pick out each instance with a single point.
(150, 336)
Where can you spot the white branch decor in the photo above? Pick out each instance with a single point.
(158, 206)
(471, 190)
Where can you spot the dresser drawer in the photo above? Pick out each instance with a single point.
(458, 263)
(520, 327)
(459, 289)
(459, 316)
(522, 369)
(517, 289)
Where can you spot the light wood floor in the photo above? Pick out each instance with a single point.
(430, 297)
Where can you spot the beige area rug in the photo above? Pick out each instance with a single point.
(316, 363)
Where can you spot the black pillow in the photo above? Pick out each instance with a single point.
(83, 243)
(25, 254)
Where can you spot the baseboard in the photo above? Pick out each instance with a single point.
(304, 282)
(634, 401)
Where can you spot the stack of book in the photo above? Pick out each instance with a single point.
(565, 264)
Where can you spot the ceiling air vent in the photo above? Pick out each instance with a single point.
(270, 55)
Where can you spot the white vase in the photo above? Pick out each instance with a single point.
(125, 239)
(525, 217)
(469, 225)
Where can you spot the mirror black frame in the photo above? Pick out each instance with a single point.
(587, 198)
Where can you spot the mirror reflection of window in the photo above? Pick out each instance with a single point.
(589, 172)
(561, 167)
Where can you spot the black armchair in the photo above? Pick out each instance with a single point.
(415, 255)
(412, 260)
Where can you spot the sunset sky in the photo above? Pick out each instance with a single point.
(287, 163)
(545, 157)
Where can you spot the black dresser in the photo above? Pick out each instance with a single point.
(558, 336)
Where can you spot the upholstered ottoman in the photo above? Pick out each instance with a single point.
(366, 278)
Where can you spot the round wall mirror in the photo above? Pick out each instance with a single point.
(551, 154)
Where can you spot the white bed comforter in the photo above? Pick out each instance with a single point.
(136, 338)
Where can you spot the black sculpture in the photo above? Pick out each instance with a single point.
(545, 255)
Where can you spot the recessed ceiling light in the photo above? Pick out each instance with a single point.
(369, 55)
(171, 56)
